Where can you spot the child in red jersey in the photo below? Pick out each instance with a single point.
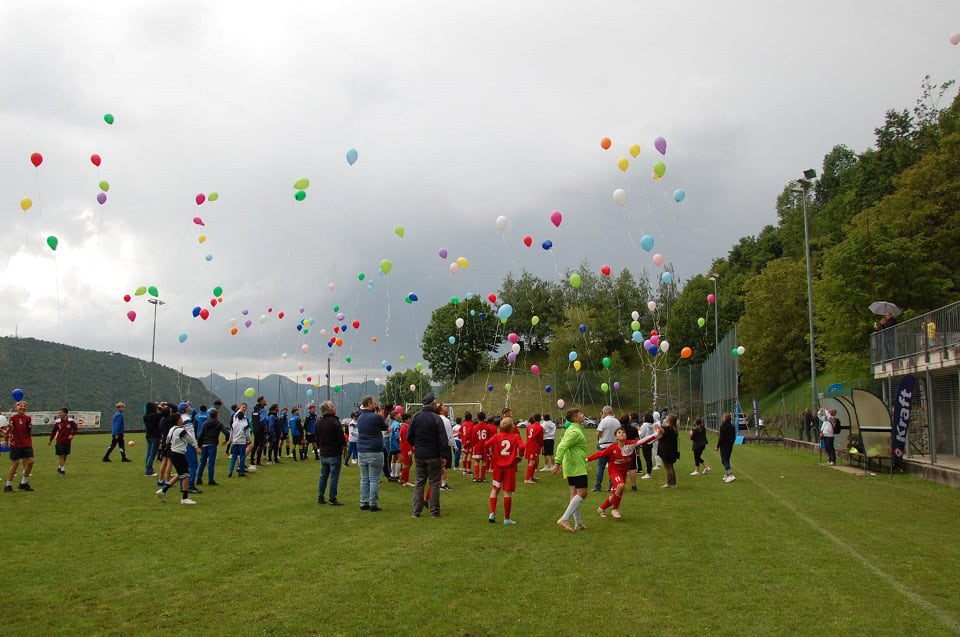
(533, 447)
(64, 429)
(505, 448)
(466, 443)
(483, 431)
(406, 451)
(19, 428)
(619, 461)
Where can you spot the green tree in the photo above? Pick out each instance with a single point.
(397, 389)
(532, 297)
(472, 343)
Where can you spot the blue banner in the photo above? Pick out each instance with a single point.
(902, 407)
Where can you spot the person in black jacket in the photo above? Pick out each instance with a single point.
(209, 440)
(698, 436)
(725, 439)
(668, 449)
(429, 440)
(151, 423)
(330, 441)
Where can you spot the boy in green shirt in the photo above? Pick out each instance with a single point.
(571, 456)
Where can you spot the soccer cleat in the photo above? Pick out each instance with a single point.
(187, 501)
(563, 524)
(633, 488)
(320, 500)
(105, 459)
(126, 459)
(529, 482)
(616, 514)
(492, 518)
(508, 522)
(364, 507)
(581, 527)
(706, 469)
(8, 489)
(732, 478)
(408, 484)
(374, 508)
(335, 503)
(162, 495)
(601, 512)
(694, 473)
(25, 487)
(595, 490)
(664, 486)
(646, 476)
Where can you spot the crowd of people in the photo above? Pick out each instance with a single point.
(387, 443)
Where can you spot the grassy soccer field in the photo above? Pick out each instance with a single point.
(791, 547)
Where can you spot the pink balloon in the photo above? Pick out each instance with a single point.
(556, 218)
(658, 260)
(535, 369)
(132, 316)
(560, 403)
(955, 39)
(654, 340)
(512, 337)
(711, 299)
(200, 199)
(198, 220)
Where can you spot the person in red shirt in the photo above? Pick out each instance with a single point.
(19, 428)
(533, 447)
(466, 442)
(64, 429)
(483, 431)
(619, 460)
(505, 447)
(406, 451)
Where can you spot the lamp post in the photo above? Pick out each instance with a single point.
(153, 344)
(716, 312)
(803, 187)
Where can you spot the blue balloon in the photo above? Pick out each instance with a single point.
(489, 387)
(196, 311)
(389, 368)
(352, 156)
(182, 338)
(18, 395)
(309, 393)
(646, 242)
(583, 328)
(300, 327)
(209, 257)
(679, 195)
(470, 295)
(572, 356)
(452, 339)
(481, 314)
(343, 328)
(505, 312)
(473, 312)
(667, 277)
(413, 297)
(653, 350)
(548, 389)
(637, 337)
(546, 245)
(383, 363)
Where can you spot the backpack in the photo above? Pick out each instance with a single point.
(836, 426)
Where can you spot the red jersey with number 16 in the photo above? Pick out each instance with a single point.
(482, 432)
(506, 448)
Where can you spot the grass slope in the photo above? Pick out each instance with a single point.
(791, 547)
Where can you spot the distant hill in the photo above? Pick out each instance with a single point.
(285, 392)
(53, 375)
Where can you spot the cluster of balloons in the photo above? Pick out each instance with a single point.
(300, 187)
(738, 351)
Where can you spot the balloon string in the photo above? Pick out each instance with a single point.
(513, 264)
(36, 179)
(386, 329)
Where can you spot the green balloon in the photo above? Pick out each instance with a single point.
(659, 169)
(301, 184)
(53, 242)
(154, 292)
(140, 291)
(701, 321)
(604, 387)
(507, 387)
(361, 276)
(305, 331)
(249, 392)
(217, 291)
(108, 118)
(407, 300)
(454, 300)
(300, 196)
(575, 280)
(419, 367)
(348, 359)
(735, 352)
(213, 196)
(336, 308)
(606, 363)
(635, 326)
(336, 389)
(104, 186)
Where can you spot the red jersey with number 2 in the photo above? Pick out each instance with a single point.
(505, 448)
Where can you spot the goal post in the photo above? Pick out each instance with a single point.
(456, 409)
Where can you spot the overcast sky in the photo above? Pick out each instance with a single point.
(460, 113)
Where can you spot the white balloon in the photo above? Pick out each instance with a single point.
(501, 222)
(515, 348)
(413, 388)
(741, 350)
(263, 318)
(283, 356)
(620, 196)
(300, 366)
(459, 324)
(376, 381)
(664, 346)
(635, 315)
(453, 268)
(233, 321)
(652, 306)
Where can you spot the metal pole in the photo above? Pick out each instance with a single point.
(806, 242)
(716, 316)
(153, 344)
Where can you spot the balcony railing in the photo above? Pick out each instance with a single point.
(929, 334)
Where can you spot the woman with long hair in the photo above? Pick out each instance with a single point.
(668, 449)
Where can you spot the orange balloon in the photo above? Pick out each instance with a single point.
(339, 342)
(374, 339)
(686, 352)
(605, 143)
(233, 331)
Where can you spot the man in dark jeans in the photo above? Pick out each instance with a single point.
(331, 443)
(429, 439)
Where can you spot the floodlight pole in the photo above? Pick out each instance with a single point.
(153, 345)
(804, 185)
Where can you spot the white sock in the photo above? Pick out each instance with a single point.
(573, 508)
(24, 479)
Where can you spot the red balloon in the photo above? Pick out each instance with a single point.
(280, 315)
(336, 329)
(492, 297)
(309, 379)
(126, 297)
(132, 316)
(356, 324)
(213, 302)
(201, 198)
(95, 159)
(605, 270)
(36, 159)
(204, 314)
(527, 240)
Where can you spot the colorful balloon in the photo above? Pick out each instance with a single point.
(17, 395)
(667, 278)
(710, 299)
(548, 389)
(701, 322)
(249, 392)
(546, 245)
(505, 311)
(182, 338)
(606, 362)
(679, 195)
(652, 306)
(462, 262)
(686, 352)
(442, 252)
(634, 150)
(53, 242)
(399, 231)
(741, 350)
(200, 198)
(108, 118)
(126, 298)
(575, 280)
(36, 159)
(153, 291)
(452, 340)
(604, 387)
(620, 196)
(534, 320)
(616, 385)
(101, 198)
(527, 240)
(560, 403)
(501, 222)
(132, 316)
(104, 186)
(352, 156)
(301, 184)
(659, 169)
(605, 143)
(198, 221)
(658, 260)
(661, 145)
(623, 164)
(577, 365)
(646, 242)
(213, 196)
(535, 370)
(95, 159)
(26, 203)
(605, 270)
(202, 239)
(955, 39)
(386, 265)
(507, 387)
(140, 291)
(556, 218)
(572, 356)
(300, 195)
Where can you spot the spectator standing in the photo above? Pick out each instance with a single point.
(429, 440)
(209, 441)
(331, 442)
(726, 437)
(116, 430)
(606, 436)
(151, 424)
(827, 434)
(698, 438)
(549, 438)
(239, 440)
(647, 429)
(370, 428)
(668, 449)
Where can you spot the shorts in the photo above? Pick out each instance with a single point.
(179, 461)
(311, 438)
(635, 464)
(616, 479)
(406, 457)
(532, 457)
(577, 482)
(62, 450)
(20, 453)
(394, 456)
(448, 456)
(505, 478)
(548, 447)
(298, 439)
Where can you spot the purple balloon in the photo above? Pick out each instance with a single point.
(512, 357)
(102, 198)
(616, 385)
(443, 253)
(247, 323)
(661, 145)
(244, 311)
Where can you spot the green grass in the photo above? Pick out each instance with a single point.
(791, 547)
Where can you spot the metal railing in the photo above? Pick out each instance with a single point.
(921, 336)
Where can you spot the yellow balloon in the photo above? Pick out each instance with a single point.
(576, 365)
(202, 238)
(26, 203)
(635, 150)
(462, 262)
(624, 163)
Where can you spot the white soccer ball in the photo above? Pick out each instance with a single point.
(252, 469)
(131, 443)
